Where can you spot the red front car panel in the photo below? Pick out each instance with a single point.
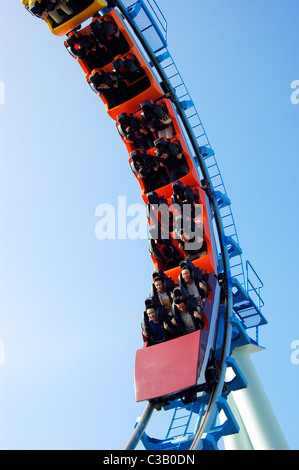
(167, 367)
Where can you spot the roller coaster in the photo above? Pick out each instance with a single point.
(196, 371)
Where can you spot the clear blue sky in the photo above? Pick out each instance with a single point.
(71, 304)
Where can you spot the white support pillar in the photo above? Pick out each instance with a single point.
(239, 441)
(254, 408)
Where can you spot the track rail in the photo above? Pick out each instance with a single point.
(140, 428)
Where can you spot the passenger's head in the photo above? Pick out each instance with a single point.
(186, 275)
(124, 119)
(180, 302)
(151, 313)
(153, 198)
(179, 189)
(143, 171)
(158, 283)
